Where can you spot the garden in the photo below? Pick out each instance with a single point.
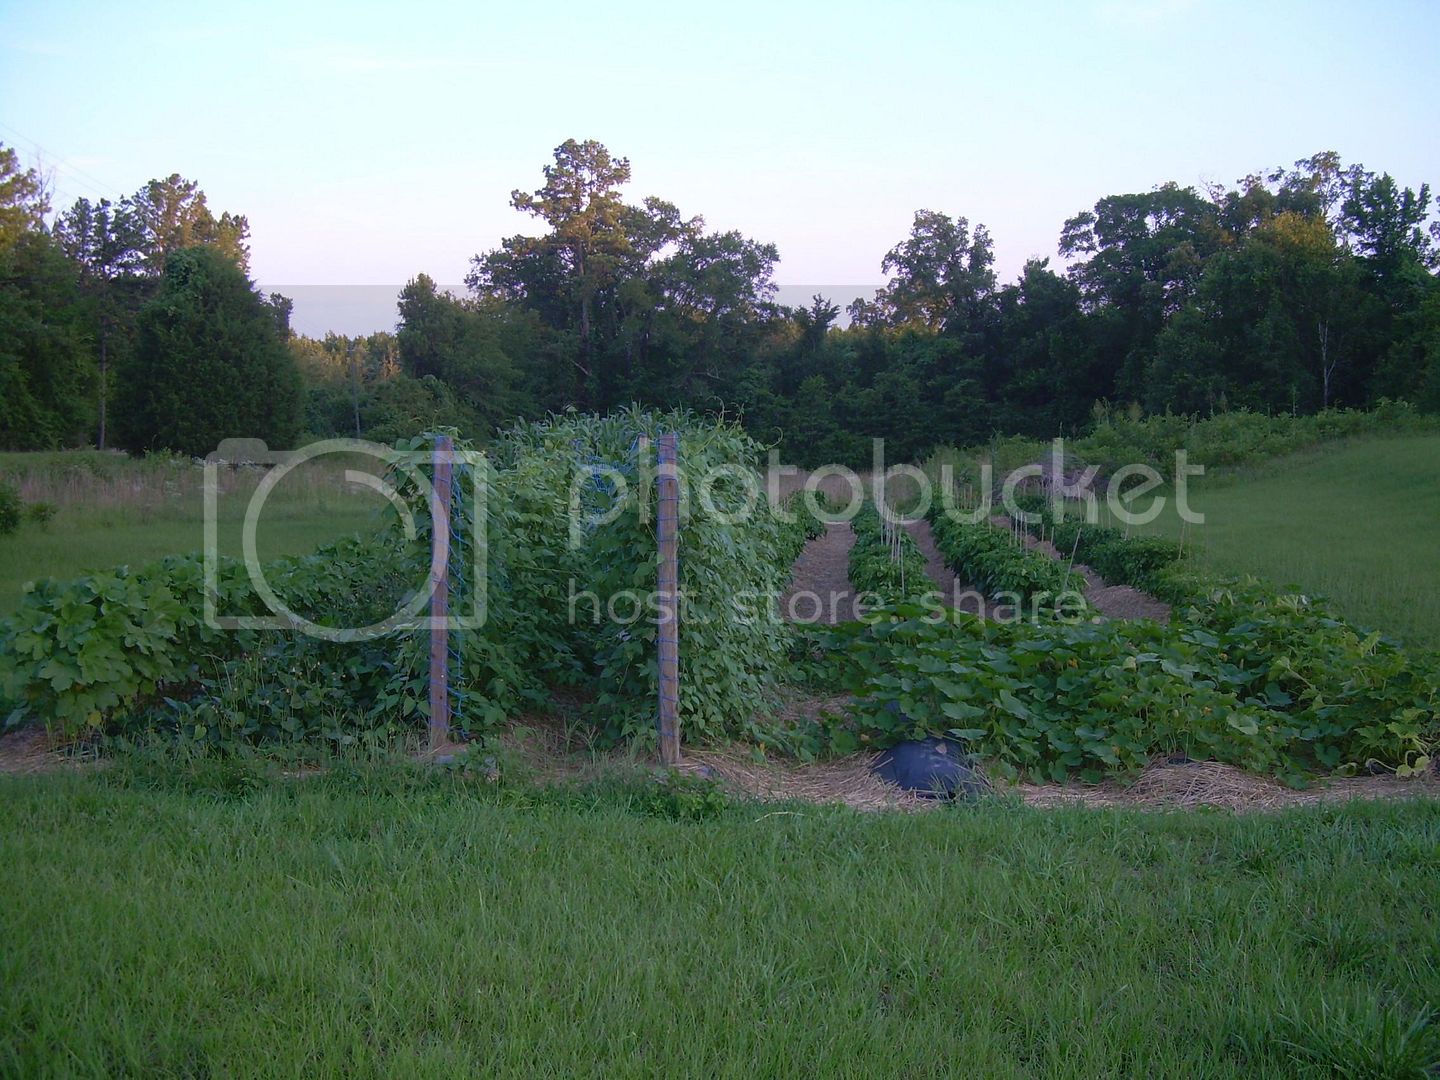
(1170, 803)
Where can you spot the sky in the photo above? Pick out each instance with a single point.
(369, 143)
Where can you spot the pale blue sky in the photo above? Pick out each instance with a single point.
(369, 143)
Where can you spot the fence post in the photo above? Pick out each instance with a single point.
(440, 593)
(667, 527)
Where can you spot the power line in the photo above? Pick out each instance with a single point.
(75, 174)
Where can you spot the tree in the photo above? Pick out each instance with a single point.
(581, 255)
(460, 343)
(209, 363)
(944, 278)
(1277, 322)
(44, 367)
(1143, 254)
(1386, 222)
(174, 215)
(107, 242)
(46, 370)
(1048, 379)
(23, 202)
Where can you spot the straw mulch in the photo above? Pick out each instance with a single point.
(1161, 786)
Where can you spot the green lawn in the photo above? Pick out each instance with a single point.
(112, 510)
(382, 923)
(1359, 523)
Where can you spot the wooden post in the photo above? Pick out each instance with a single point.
(440, 594)
(667, 526)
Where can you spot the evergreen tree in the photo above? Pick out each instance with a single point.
(209, 363)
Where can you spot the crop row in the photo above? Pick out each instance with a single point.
(885, 562)
(1244, 673)
(993, 561)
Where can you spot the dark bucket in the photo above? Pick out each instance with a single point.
(933, 768)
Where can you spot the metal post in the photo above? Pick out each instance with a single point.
(667, 526)
(440, 594)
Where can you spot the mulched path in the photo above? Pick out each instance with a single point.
(820, 591)
(29, 750)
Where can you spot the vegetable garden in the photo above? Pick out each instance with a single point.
(1244, 673)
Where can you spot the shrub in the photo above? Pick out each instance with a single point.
(11, 509)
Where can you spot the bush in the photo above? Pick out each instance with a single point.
(11, 509)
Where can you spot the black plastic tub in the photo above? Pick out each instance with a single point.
(933, 768)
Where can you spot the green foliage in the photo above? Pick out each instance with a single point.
(730, 570)
(209, 364)
(1231, 439)
(46, 371)
(995, 562)
(1361, 696)
(39, 513)
(1137, 561)
(889, 566)
(1260, 681)
(119, 646)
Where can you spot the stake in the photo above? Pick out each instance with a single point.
(440, 594)
(667, 527)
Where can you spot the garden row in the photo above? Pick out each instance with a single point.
(884, 561)
(1244, 673)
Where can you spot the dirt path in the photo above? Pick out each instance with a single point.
(956, 593)
(1112, 601)
(820, 590)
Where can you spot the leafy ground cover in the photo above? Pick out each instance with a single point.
(217, 920)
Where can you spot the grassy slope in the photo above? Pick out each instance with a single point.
(112, 511)
(381, 926)
(1358, 522)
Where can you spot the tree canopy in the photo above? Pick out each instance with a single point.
(1296, 288)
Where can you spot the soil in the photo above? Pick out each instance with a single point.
(1111, 601)
(820, 590)
(823, 572)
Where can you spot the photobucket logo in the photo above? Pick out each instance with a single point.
(730, 493)
(468, 487)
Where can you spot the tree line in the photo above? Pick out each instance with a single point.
(1297, 289)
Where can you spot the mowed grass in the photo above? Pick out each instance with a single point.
(380, 922)
(111, 511)
(1359, 523)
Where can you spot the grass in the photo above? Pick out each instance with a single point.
(373, 921)
(1358, 522)
(113, 510)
